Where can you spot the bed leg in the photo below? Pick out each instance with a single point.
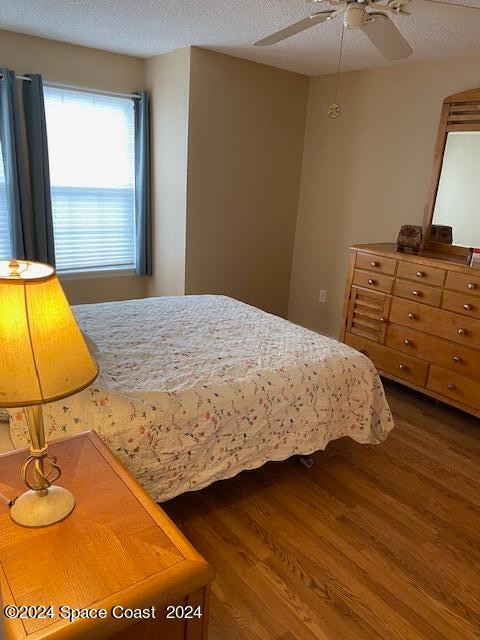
(306, 461)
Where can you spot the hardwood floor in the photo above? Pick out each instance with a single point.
(372, 542)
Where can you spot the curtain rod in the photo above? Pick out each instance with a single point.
(71, 87)
(26, 78)
(57, 85)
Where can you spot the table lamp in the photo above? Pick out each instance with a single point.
(43, 358)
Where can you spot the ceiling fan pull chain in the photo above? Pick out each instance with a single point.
(335, 110)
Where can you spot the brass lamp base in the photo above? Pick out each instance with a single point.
(42, 508)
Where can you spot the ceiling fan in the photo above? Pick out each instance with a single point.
(371, 17)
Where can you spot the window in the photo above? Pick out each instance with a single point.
(92, 175)
(5, 246)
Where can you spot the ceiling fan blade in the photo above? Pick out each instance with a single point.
(443, 11)
(384, 35)
(295, 28)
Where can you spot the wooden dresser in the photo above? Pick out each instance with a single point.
(417, 317)
(117, 566)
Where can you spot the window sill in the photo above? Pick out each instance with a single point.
(96, 273)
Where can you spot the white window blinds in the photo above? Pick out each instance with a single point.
(92, 175)
(5, 241)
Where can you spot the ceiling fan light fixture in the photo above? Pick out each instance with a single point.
(375, 23)
(354, 16)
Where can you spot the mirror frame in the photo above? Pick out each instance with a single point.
(460, 112)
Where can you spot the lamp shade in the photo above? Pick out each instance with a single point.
(43, 356)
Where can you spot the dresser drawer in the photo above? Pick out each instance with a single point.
(376, 263)
(418, 292)
(454, 386)
(438, 322)
(462, 303)
(391, 362)
(367, 314)
(375, 281)
(466, 282)
(433, 349)
(421, 273)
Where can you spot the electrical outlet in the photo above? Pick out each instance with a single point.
(323, 295)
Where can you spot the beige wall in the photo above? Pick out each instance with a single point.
(168, 79)
(70, 64)
(237, 127)
(366, 173)
(245, 149)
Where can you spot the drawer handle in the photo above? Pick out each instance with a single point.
(403, 367)
(450, 386)
(462, 332)
(407, 342)
(373, 263)
(472, 285)
(420, 274)
(416, 293)
(370, 281)
(457, 359)
(412, 316)
(467, 307)
(383, 320)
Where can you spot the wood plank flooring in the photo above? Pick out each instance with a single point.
(372, 542)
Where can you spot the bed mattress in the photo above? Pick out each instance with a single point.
(195, 389)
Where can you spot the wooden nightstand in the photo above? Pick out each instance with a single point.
(117, 549)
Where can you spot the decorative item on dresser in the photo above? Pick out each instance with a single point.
(410, 237)
(117, 552)
(474, 258)
(417, 317)
(441, 233)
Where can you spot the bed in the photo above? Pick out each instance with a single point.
(195, 389)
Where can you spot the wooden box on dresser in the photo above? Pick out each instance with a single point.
(417, 317)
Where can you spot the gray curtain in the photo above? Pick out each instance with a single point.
(36, 128)
(15, 180)
(142, 185)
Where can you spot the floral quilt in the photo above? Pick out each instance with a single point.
(195, 389)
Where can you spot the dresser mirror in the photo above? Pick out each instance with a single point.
(454, 194)
(457, 204)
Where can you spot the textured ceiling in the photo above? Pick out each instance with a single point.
(148, 27)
